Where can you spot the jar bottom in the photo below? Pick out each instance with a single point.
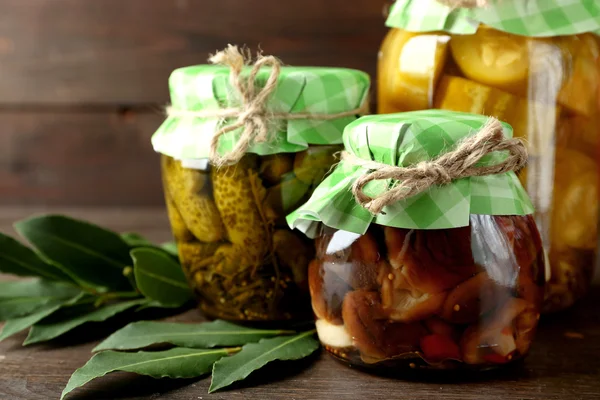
(412, 365)
(264, 320)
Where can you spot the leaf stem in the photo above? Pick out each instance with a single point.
(231, 350)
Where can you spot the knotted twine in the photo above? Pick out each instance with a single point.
(456, 164)
(253, 114)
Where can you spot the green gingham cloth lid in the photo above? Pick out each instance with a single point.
(539, 18)
(403, 140)
(206, 88)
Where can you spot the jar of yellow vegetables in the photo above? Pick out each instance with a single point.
(534, 64)
(243, 146)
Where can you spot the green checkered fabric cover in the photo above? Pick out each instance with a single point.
(538, 18)
(299, 89)
(405, 139)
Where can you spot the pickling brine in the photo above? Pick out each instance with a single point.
(548, 89)
(234, 244)
(430, 299)
(415, 273)
(241, 148)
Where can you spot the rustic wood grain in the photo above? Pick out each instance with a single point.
(561, 366)
(79, 158)
(122, 52)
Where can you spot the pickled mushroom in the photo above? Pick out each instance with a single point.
(472, 299)
(430, 261)
(333, 335)
(372, 334)
(494, 339)
(327, 292)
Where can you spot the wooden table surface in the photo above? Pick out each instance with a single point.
(564, 362)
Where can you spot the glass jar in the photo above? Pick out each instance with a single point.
(430, 299)
(547, 87)
(240, 257)
(448, 276)
(228, 218)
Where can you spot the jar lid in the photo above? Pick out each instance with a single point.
(405, 140)
(200, 94)
(540, 18)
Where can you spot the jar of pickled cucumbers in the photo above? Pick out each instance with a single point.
(451, 277)
(536, 65)
(227, 207)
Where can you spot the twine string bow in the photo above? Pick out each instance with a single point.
(253, 114)
(456, 164)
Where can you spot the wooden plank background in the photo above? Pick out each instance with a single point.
(82, 82)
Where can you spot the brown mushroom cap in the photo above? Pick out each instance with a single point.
(430, 261)
(473, 298)
(404, 305)
(327, 291)
(375, 337)
(493, 336)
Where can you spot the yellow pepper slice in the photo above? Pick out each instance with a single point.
(493, 58)
(409, 68)
(535, 122)
(579, 92)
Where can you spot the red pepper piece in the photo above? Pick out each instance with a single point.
(439, 347)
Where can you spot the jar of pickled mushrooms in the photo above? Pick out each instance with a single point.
(427, 253)
(242, 147)
(534, 64)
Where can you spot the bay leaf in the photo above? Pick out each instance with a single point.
(220, 333)
(23, 297)
(136, 240)
(16, 325)
(171, 248)
(16, 307)
(174, 363)
(256, 355)
(62, 322)
(160, 278)
(93, 256)
(18, 259)
(36, 288)
(153, 304)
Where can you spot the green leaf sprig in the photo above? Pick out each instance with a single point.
(232, 352)
(82, 273)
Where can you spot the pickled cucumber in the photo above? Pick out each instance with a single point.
(238, 195)
(274, 167)
(190, 191)
(310, 166)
